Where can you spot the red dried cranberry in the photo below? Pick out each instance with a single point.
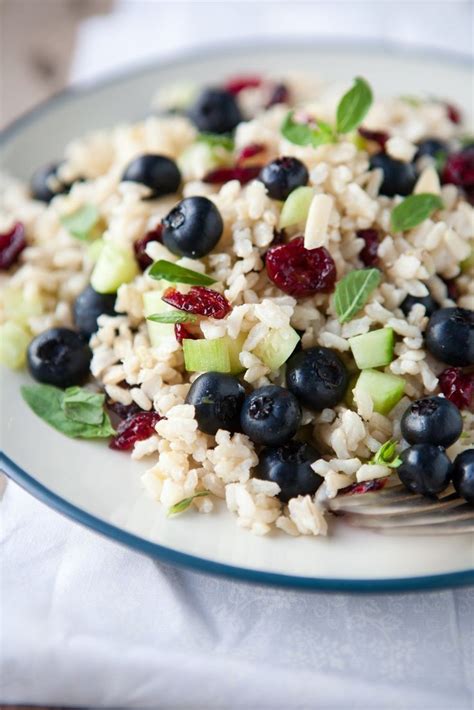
(249, 152)
(457, 386)
(299, 271)
(459, 170)
(199, 300)
(454, 114)
(135, 428)
(154, 235)
(279, 95)
(182, 332)
(452, 289)
(12, 244)
(242, 174)
(369, 252)
(365, 487)
(379, 137)
(238, 83)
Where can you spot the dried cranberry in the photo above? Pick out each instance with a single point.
(242, 174)
(182, 332)
(454, 114)
(365, 487)
(369, 252)
(199, 300)
(279, 95)
(459, 170)
(12, 244)
(457, 386)
(299, 271)
(136, 428)
(154, 235)
(452, 289)
(249, 152)
(379, 137)
(238, 83)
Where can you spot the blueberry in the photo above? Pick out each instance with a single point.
(88, 306)
(398, 178)
(431, 147)
(60, 357)
(317, 377)
(282, 176)
(217, 399)
(290, 466)
(432, 420)
(427, 301)
(425, 469)
(45, 183)
(193, 227)
(215, 111)
(463, 475)
(157, 172)
(270, 415)
(450, 336)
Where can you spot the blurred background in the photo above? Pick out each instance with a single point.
(48, 44)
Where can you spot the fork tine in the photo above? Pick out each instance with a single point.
(435, 517)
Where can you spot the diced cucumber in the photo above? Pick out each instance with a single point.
(277, 346)
(18, 308)
(349, 396)
(200, 158)
(206, 355)
(235, 348)
(115, 266)
(384, 389)
(296, 206)
(468, 264)
(374, 349)
(84, 223)
(95, 249)
(152, 303)
(14, 341)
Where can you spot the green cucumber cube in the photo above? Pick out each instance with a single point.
(18, 308)
(296, 207)
(153, 303)
(384, 389)
(94, 250)
(14, 341)
(114, 267)
(277, 346)
(234, 348)
(206, 355)
(374, 349)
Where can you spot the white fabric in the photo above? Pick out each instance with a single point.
(85, 622)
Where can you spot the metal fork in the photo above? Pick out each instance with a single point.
(395, 510)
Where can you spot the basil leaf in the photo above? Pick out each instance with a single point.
(353, 106)
(81, 223)
(353, 291)
(169, 271)
(414, 210)
(185, 503)
(47, 403)
(216, 141)
(304, 134)
(83, 406)
(387, 455)
(172, 317)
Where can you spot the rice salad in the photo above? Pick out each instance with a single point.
(264, 290)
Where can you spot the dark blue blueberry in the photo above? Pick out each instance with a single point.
(270, 415)
(317, 377)
(215, 111)
(450, 336)
(463, 475)
(427, 301)
(60, 357)
(432, 420)
(157, 172)
(192, 228)
(290, 466)
(398, 178)
(425, 469)
(217, 399)
(45, 183)
(282, 176)
(432, 147)
(88, 306)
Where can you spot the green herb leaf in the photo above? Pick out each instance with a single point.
(216, 140)
(81, 223)
(353, 291)
(48, 403)
(414, 101)
(169, 271)
(172, 317)
(440, 159)
(305, 134)
(414, 210)
(83, 406)
(387, 455)
(185, 503)
(466, 140)
(353, 106)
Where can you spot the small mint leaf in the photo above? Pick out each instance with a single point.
(414, 210)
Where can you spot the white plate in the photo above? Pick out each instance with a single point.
(101, 488)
